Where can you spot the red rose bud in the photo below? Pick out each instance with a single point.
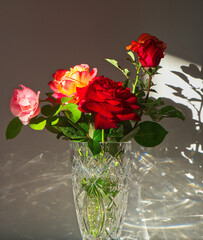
(110, 102)
(149, 50)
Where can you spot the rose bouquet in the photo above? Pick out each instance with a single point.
(99, 116)
(85, 107)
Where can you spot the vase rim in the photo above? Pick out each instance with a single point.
(102, 142)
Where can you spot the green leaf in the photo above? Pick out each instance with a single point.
(116, 132)
(130, 135)
(113, 149)
(72, 132)
(151, 108)
(127, 127)
(113, 62)
(64, 121)
(155, 116)
(53, 120)
(94, 147)
(49, 110)
(127, 72)
(38, 123)
(56, 109)
(66, 99)
(126, 83)
(147, 83)
(171, 111)
(14, 128)
(46, 110)
(81, 133)
(76, 140)
(151, 70)
(52, 129)
(97, 135)
(84, 182)
(150, 134)
(142, 85)
(91, 129)
(156, 102)
(84, 126)
(69, 131)
(131, 54)
(72, 112)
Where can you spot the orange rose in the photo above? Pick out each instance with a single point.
(149, 50)
(65, 82)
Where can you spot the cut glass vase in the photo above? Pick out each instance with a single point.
(100, 189)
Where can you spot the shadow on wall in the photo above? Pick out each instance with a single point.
(193, 132)
(166, 190)
(183, 90)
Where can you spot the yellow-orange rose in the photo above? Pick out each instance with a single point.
(65, 82)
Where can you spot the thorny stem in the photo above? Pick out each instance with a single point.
(146, 98)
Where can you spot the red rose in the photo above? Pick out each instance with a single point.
(149, 50)
(110, 102)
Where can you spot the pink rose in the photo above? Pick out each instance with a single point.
(25, 104)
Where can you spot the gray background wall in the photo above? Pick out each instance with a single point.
(39, 37)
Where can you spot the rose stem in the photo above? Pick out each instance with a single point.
(147, 95)
(148, 88)
(137, 78)
(102, 135)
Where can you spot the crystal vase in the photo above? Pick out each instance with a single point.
(100, 189)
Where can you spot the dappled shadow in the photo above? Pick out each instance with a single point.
(166, 190)
(193, 71)
(192, 133)
(196, 100)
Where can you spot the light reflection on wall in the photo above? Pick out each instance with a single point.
(182, 82)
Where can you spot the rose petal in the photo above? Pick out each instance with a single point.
(103, 123)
